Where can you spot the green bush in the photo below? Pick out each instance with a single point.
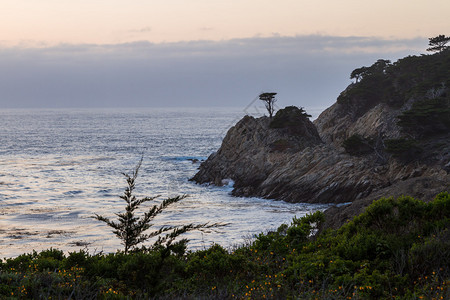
(76, 259)
(427, 117)
(397, 248)
(431, 255)
(289, 117)
(375, 86)
(395, 84)
(403, 149)
(131, 229)
(357, 145)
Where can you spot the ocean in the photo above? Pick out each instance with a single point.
(59, 167)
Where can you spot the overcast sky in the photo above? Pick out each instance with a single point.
(116, 53)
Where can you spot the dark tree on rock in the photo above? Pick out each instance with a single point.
(359, 73)
(438, 43)
(379, 67)
(269, 99)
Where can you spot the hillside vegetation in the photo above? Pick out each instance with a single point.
(397, 249)
(418, 77)
(388, 130)
(387, 135)
(419, 86)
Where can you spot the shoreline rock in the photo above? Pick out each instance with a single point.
(293, 159)
(304, 170)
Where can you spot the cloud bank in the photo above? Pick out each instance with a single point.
(308, 71)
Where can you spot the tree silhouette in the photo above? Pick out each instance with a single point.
(438, 43)
(359, 73)
(269, 99)
(130, 228)
(379, 67)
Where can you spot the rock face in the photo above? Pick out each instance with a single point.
(335, 124)
(273, 163)
(252, 151)
(290, 158)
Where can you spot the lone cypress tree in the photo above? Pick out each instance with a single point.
(130, 228)
(269, 99)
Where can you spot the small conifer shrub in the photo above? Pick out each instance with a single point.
(357, 145)
(131, 228)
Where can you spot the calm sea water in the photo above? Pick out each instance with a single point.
(59, 167)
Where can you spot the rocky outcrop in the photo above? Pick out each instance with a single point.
(272, 163)
(336, 124)
(290, 158)
(252, 151)
(422, 187)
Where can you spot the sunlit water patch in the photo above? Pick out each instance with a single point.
(60, 167)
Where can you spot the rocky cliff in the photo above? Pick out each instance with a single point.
(387, 134)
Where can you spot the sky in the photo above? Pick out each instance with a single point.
(152, 53)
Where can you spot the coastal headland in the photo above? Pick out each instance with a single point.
(388, 134)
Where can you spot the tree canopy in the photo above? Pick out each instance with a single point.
(269, 99)
(379, 67)
(438, 43)
(358, 73)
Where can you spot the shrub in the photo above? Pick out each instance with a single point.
(397, 248)
(431, 255)
(289, 117)
(426, 117)
(395, 84)
(404, 149)
(357, 145)
(76, 259)
(130, 228)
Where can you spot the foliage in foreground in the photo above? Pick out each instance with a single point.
(131, 228)
(396, 249)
